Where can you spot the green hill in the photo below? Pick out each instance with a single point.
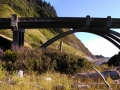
(36, 37)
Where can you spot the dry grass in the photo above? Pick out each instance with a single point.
(34, 81)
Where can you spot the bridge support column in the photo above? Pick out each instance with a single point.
(15, 38)
(18, 37)
(21, 36)
(18, 32)
(14, 27)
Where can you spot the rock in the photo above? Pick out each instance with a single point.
(114, 74)
(58, 87)
(79, 86)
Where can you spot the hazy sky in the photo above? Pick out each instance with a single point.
(94, 8)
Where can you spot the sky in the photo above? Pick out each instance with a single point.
(95, 8)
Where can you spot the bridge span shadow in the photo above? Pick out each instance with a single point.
(5, 43)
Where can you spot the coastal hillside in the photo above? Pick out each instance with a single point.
(36, 37)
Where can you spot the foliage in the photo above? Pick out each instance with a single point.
(5, 10)
(45, 9)
(67, 62)
(10, 56)
(23, 7)
(46, 60)
(34, 81)
(114, 60)
(35, 38)
(31, 7)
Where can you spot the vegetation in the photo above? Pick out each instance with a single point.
(35, 81)
(32, 8)
(114, 60)
(41, 64)
(38, 65)
(36, 37)
(43, 61)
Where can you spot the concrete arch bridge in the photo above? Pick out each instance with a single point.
(98, 26)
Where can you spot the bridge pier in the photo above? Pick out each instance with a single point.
(18, 32)
(21, 36)
(18, 37)
(15, 38)
(21, 39)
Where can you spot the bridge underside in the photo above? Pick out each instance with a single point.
(5, 44)
(112, 36)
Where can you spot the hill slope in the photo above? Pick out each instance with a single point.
(36, 37)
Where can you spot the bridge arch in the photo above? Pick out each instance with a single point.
(112, 36)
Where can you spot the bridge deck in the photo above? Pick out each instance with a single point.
(59, 22)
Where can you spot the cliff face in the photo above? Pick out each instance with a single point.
(36, 37)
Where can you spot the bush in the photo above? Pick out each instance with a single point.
(10, 56)
(114, 60)
(66, 62)
(42, 61)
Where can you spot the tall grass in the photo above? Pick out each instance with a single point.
(34, 81)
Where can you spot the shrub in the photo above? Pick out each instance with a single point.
(42, 61)
(10, 56)
(66, 62)
(114, 61)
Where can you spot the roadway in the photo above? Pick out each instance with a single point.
(59, 22)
